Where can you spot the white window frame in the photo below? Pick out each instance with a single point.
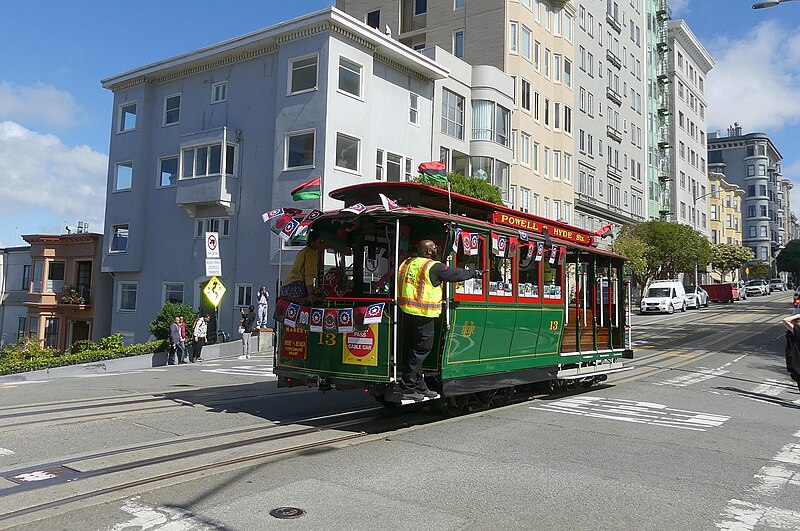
(413, 108)
(349, 68)
(120, 285)
(292, 134)
(525, 149)
(513, 37)
(125, 164)
(243, 298)
(164, 122)
(173, 284)
(121, 118)
(290, 74)
(357, 170)
(114, 228)
(220, 225)
(224, 86)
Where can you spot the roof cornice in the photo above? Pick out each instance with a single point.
(692, 44)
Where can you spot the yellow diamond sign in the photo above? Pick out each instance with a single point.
(214, 290)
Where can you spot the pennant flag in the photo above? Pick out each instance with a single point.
(553, 254)
(539, 251)
(288, 229)
(562, 254)
(309, 190)
(303, 320)
(374, 313)
(473, 244)
(356, 209)
(495, 244)
(311, 216)
(523, 236)
(512, 247)
(280, 223)
(388, 204)
(502, 245)
(330, 321)
(280, 309)
(466, 242)
(435, 171)
(531, 249)
(456, 239)
(301, 233)
(345, 320)
(266, 216)
(292, 312)
(604, 231)
(315, 324)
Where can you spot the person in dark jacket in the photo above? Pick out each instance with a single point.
(248, 323)
(792, 350)
(176, 352)
(420, 300)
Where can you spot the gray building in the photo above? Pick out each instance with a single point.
(610, 77)
(753, 162)
(15, 276)
(211, 139)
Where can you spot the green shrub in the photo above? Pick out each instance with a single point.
(27, 348)
(159, 326)
(469, 186)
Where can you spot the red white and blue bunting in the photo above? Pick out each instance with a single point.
(328, 320)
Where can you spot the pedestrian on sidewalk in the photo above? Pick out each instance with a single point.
(182, 326)
(175, 349)
(248, 322)
(199, 333)
(792, 349)
(263, 307)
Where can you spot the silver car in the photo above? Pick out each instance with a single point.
(696, 297)
(757, 287)
(776, 284)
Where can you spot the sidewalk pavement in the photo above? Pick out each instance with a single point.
(259, 342)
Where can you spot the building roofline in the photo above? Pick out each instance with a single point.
(748, 136)
(273, 36)
(15, 249)
(692, 44)
(78, 237)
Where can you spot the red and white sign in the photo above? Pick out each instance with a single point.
(361, 347)
(212, 245)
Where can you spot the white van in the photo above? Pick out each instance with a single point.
(663, 296)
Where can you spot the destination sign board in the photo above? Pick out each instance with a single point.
(520, 223)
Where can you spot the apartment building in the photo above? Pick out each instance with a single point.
(533, 42)
(688, 67)
(15, 267)
(753, 162)
(211, 139)
(611, 121)
(725, 212)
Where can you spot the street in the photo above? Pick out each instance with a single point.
(704, 433)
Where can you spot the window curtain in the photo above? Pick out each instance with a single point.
(482, 120)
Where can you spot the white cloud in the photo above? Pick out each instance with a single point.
(40, 104)
(756, 79)
(40, 175)
(678, 7)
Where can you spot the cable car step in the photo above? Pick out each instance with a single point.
(591, 370)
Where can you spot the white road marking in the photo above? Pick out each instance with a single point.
(6, 451)
(634, 412)
(770, 388)
(148, 517)
(703, 374)
(38, 475)
(744, 516)
(264, 371)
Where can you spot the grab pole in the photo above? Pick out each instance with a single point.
(395, 324)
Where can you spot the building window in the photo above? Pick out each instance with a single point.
(525, 149)
(303, 74)
(568, 72)
(38, 275)
(762, 169)
(751, 170)
(21, 323)
(752, 231)
(459, 4)
(347, 152)
(379, 164)
(393, 167)
(300, 150)
(524, 204)
(349, 77)
(420, 7)
(172, 292)
(219, 92)
(244, 295)
(513, 29)
(55, 277)
(413, 108)
(219, 225)
(172, 109)
(374, 19)
(123, 176)
(33, 326)
(200, 161)
(168, 169)
(127, 117)
(51, 332)
(452, 114)
(567, 169)
(526, 95)
(119, 239)
(525, 43)
(127, 296)
(26, 278)
(458, 43)
(567, 120)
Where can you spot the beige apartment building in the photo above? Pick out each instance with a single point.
(536, 48)
(725, 210)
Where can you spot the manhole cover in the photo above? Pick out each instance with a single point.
(287, 512)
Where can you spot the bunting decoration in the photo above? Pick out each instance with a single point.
(553, 254)
(329, 320)
(266, 216)
(287, 231)
(456, 239)
(539, 251)
(473, 244)
(358, 208)
(388, 204)
(309, 190)
(466, 242)
(292, 312)
(345, 320)
(604, 231)
(512, 247)
(315, 325)
(523, 236)
(562, 255)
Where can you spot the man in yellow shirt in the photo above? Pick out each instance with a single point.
(299, 284)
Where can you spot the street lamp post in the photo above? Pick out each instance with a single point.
(769, 3)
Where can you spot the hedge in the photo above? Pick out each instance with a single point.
(13, 366)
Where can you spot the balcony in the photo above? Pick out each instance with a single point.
(614, 96)
(75, 296)
(613, 59)
(613, 133)
(613, 172)
(613, 22)
(208, 190)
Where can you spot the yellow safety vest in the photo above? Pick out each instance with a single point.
(417, 295)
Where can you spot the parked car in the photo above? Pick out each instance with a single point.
(742, 290)
(757, 287)
(776, 284)
(663, 296)
(696, 297)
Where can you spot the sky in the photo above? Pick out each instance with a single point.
(55, 118)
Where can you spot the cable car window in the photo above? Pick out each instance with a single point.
(501, 281)
(551, 281)
(377, 259)
(528, 284)
(472, 258)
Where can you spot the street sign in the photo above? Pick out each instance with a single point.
(213, 267)
(214, 291)
(212, 245)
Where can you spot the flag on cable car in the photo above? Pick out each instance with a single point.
(266, 216)
(388, 204)
(330, 320)
(309, 190)
(539, 251)
(473, 244)
(435, 171)
(345, 320)
(280, 223)
(604, 231)
(287, 231)
(290, 317)
(554, 254)
(466, 242)
(523, 236)
(315, 323)
(456, 239)
(301, 232)
(356, 209)
(531, 249)
(512, 247)
(562, 254)
(303, 320)
(374, 313)
(280, 309)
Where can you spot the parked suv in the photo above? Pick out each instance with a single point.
(742, 290)
(663, 296)
(757, 287)
(776, 284)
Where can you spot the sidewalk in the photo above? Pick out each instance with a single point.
(259, 342)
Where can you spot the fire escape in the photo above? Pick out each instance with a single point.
(663, 16)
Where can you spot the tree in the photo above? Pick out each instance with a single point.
(789, 258)
(634, 250)
(669, 248)
(759, 270)
(159, 326)
(726, 258)
(469, 186)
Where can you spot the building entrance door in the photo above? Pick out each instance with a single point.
(79, 331)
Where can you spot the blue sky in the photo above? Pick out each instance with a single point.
(55, 119)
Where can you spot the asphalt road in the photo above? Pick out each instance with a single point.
(703, 434)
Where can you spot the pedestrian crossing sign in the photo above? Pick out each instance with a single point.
(214, 291)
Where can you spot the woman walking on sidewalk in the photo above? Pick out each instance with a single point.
(248, 322)
(199, 333)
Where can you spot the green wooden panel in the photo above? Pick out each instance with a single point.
(526, 332)
(463, 343)
(500, 326)
(550, 329)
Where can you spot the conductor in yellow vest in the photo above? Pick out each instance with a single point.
(420, 299)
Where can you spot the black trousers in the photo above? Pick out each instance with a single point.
(197, 348)
(418, 339)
